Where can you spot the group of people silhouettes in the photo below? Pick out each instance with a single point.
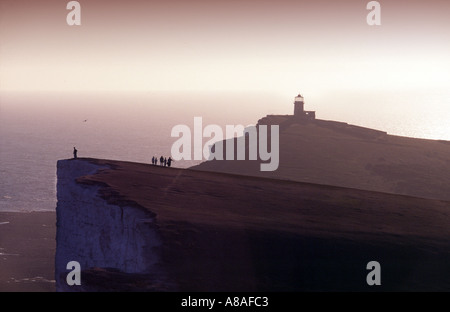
(163, 161)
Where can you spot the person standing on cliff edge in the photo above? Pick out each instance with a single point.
(74, 153)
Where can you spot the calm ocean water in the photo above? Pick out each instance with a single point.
(38, 130)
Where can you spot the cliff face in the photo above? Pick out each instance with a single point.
(98, 234)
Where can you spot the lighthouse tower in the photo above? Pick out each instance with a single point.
(299, 106)
(299, 109)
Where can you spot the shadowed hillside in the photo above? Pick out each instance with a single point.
(223, 232)
(335, 153)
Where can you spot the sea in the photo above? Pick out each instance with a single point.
(38, 129)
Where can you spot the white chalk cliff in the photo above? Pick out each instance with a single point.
(98, 234)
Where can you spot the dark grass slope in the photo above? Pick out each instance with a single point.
(224, 232)
(335, 153)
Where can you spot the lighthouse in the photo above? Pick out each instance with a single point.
(299, 104)
(299, 109)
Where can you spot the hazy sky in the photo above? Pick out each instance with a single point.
(347, 70)
(224, 45)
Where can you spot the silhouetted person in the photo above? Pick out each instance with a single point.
(153, 160)
(161, 161)
(165, 161)
(169, 161)
(75, 153)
